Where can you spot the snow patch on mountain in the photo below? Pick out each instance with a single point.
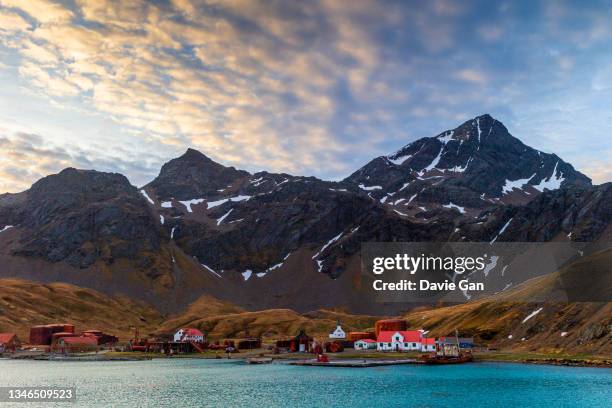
(324, 247)
(448, 136)
(189, 203)
(433, 163)
(532, 314)
(370, 188)
(457, 207)
(247, 274)
(166, 204)
(211, 270)
(224, 216)
(213, 204)
(491, 265)
(501, 231)
(510, 185)
(399, 159)
(6, 227)
(144, 193)
(553, 182)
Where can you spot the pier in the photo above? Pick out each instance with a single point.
(356, 363)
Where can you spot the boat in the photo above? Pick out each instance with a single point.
(437, 359)
(449, 354)
(259, 360)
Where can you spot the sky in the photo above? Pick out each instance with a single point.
(308, 88)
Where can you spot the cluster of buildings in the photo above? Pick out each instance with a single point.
(59, 337)
(190, 340)
(388, 335)
(393, 335)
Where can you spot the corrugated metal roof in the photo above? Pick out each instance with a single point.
(7, 337)
(408, 335)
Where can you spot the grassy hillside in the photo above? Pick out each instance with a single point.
(25, 303)
(568, 324)
(223, 320)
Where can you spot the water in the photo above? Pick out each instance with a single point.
(222, 383)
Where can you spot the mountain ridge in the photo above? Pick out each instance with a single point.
(201, 227)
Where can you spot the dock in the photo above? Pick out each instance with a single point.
(355, 363)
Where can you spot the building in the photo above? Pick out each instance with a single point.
(365, 344)
(101, 337)
(302, 343)
(77, 344)
(428, 344)
(390, 325)
(338, 333)
(354, 336)
(9, 342)
(188, 335)
(399, 340)
(464, 342)
(43, 334)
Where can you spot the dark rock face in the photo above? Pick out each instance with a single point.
(81, 216)
(462, 185)
(193, 175)
(580, 214)
(478, 160)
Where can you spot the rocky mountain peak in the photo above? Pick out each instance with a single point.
(473, 165)
(95, 183)
(193, 175)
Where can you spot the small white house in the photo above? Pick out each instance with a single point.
(428, 344)
(189, 334)
(338, 333)
(365, 344)
(403, 340)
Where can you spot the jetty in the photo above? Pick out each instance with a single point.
(355, 363)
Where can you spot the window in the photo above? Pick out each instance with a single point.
(389, 344)
(413, 344)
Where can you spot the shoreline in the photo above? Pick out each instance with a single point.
(338, 359)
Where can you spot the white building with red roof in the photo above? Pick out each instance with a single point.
(428, 344)
(401, 340)
(188, 334)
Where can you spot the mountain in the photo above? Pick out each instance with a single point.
(470, 167)
(518, 318)
(269, 240)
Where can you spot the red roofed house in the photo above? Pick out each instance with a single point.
(402, 340)
(9, 342)
(428, 344)
(189, 334)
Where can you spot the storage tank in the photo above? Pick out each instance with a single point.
(40, 335)
(56, 336)
(390, 325)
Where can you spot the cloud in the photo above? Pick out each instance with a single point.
(311, 87)
(42, 10)
(12, 21)
(472, 75)
(28, 157)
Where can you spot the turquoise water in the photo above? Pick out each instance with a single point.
(223, 383)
